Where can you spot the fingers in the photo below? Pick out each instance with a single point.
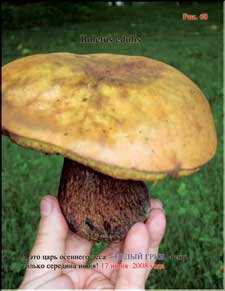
(50, 241)
(79, 247)
(155, 203)
(156, 224)
(137, 241)
(145, 241)
(111, 254)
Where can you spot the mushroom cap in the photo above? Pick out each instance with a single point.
(129, 117)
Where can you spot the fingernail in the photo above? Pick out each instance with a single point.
(158, 208)
(45, 207)
(116, 246)
(160, 203)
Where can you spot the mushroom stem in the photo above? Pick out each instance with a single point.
(98, 207)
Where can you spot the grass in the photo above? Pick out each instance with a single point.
(194, 205)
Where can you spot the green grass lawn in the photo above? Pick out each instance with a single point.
(193, 205)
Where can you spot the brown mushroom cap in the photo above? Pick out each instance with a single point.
(129, 117)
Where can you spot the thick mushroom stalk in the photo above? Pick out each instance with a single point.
(98, 207)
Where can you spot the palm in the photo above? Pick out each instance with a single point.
(91, 278)
(87, 279)
(71, 278)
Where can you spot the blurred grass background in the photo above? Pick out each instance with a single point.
(194, 205)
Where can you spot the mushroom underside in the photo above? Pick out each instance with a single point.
(98, 207)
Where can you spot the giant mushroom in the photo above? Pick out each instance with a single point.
(118, 121)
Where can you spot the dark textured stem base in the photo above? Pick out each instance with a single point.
(98, 207)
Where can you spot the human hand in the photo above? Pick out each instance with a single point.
(54, 238)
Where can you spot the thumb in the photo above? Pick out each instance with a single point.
(50, 241)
